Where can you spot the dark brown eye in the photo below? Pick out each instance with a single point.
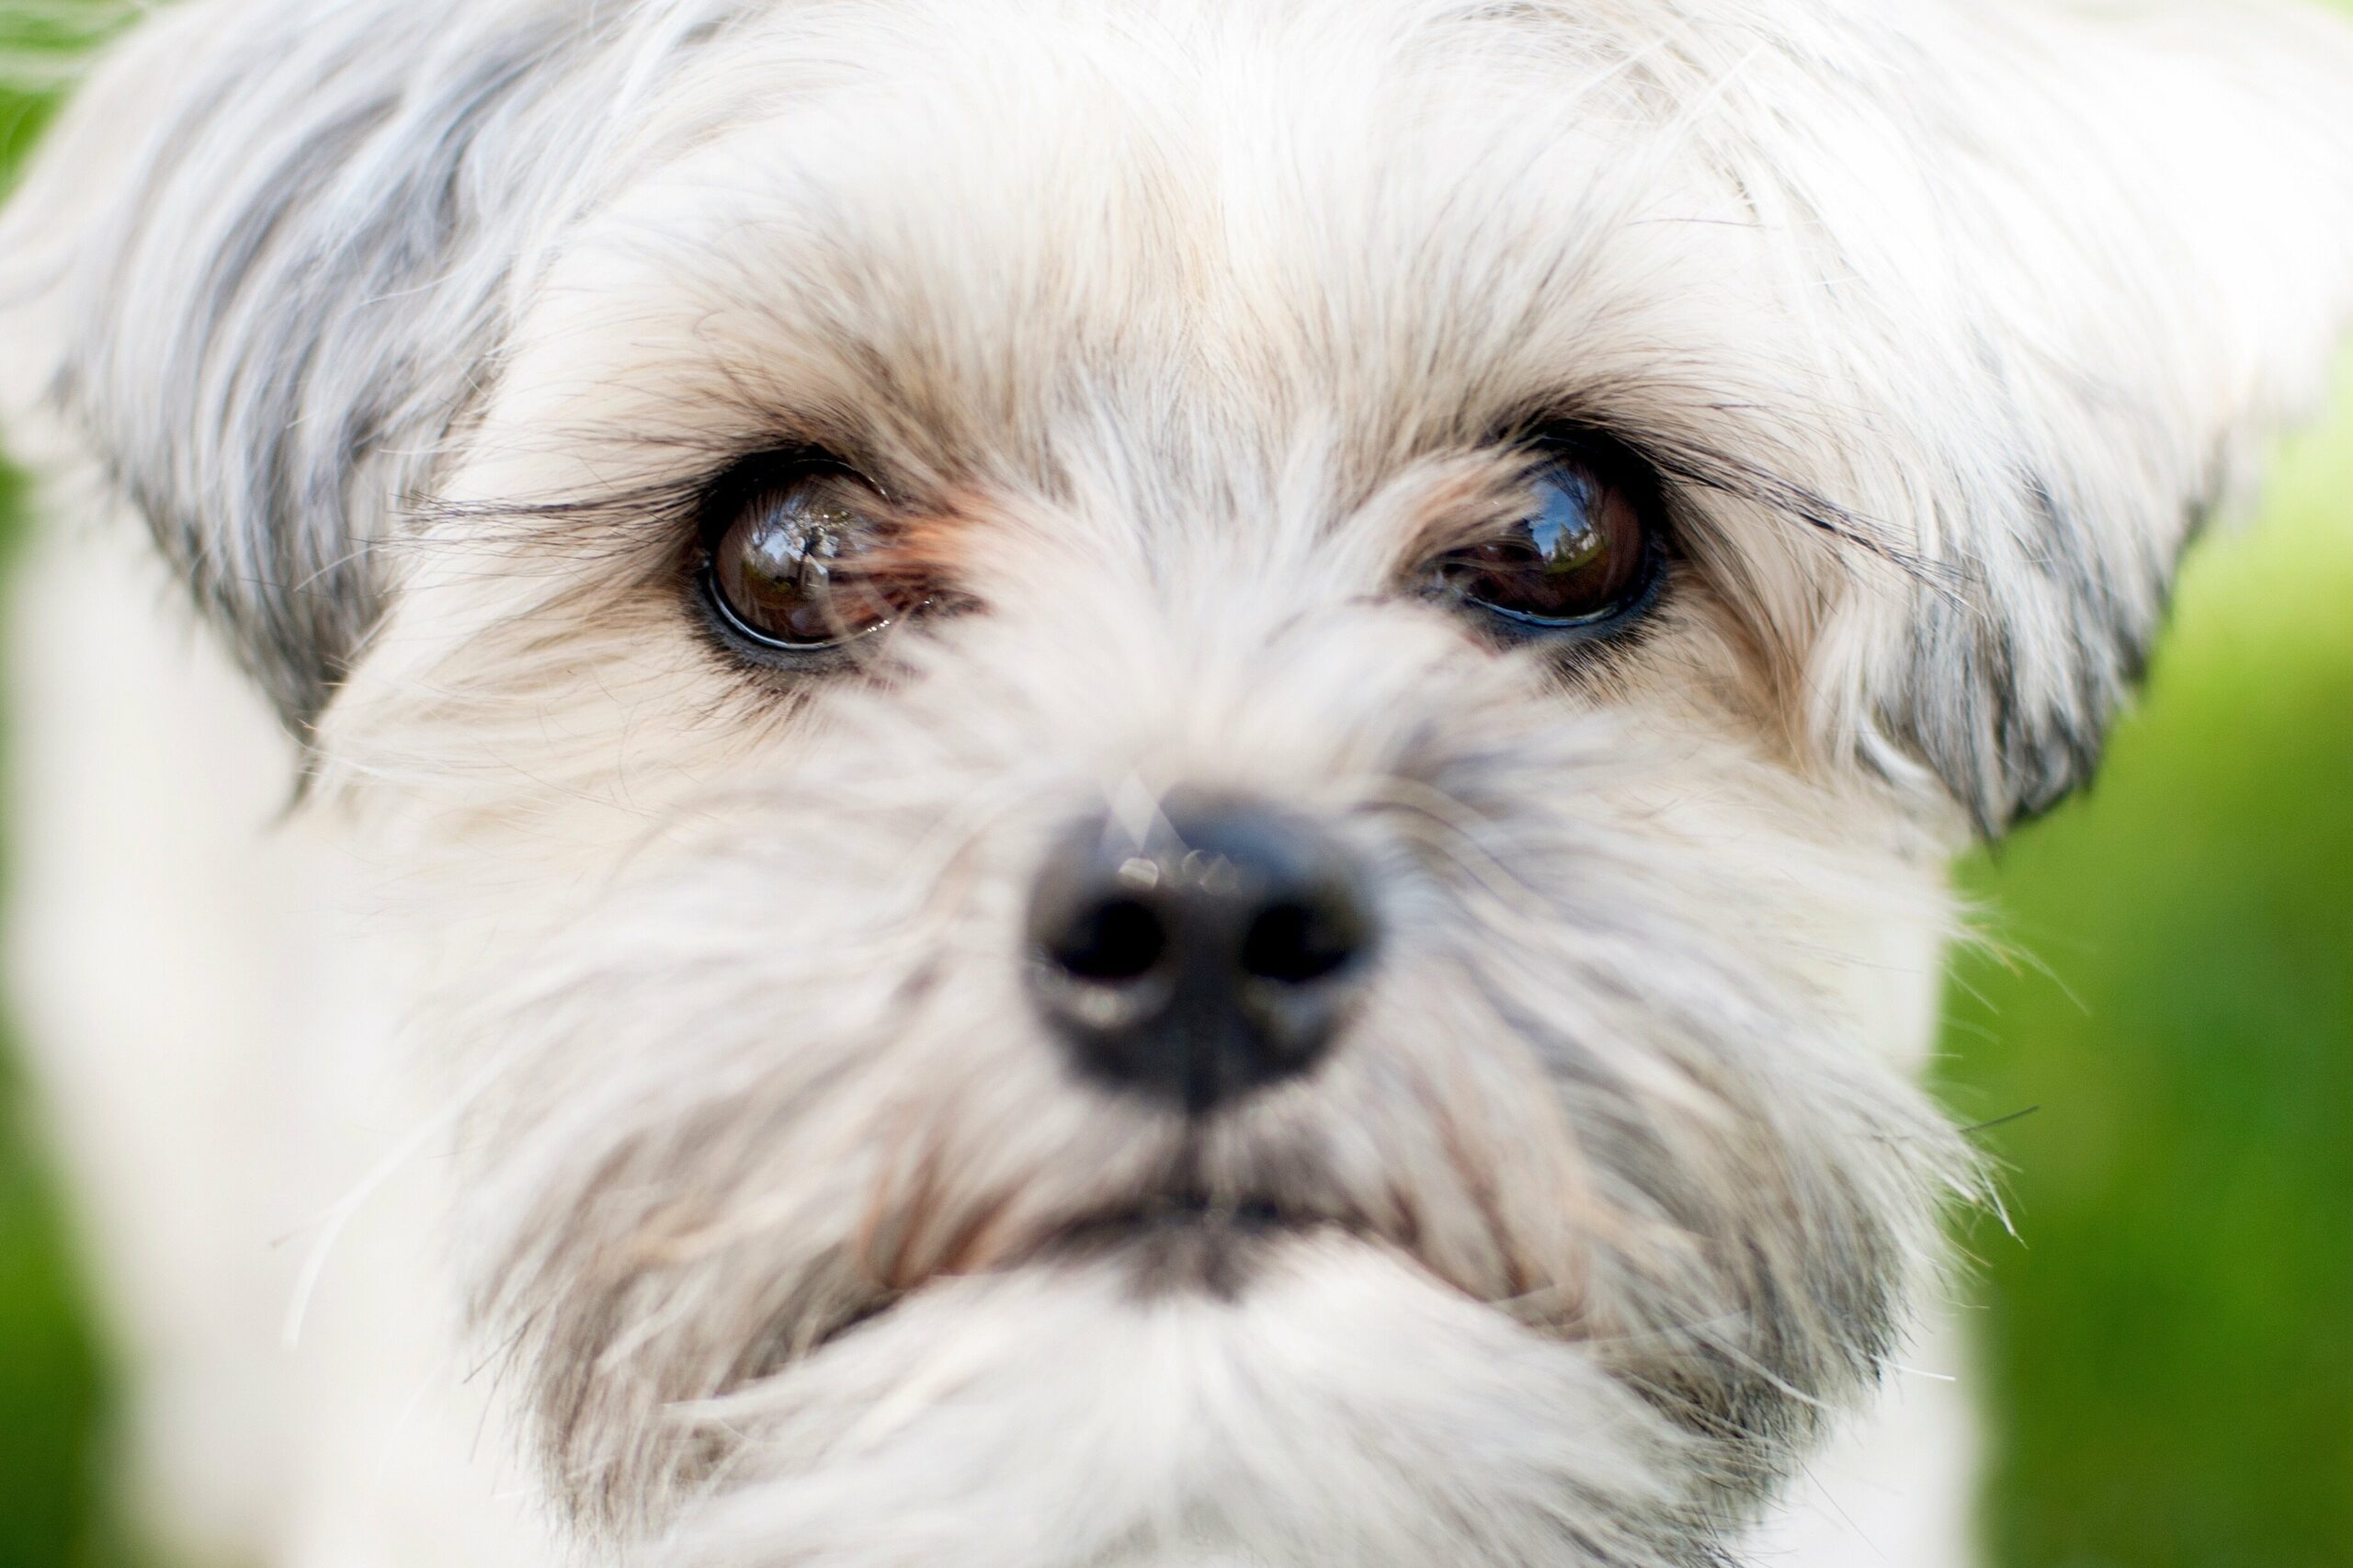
(1580, 559)
(796, 564)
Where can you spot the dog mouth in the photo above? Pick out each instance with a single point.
(1189, 1210)
(1184, 1214)
(1189, 1243)
(1180, 1239)
(1202, 1216)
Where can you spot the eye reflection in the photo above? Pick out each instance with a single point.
(786, 573)
(1582, 555)
(1565, 533)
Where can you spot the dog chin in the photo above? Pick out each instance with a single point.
(1191, 1389)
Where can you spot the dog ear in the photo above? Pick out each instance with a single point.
(255, 273)
(2139, 267)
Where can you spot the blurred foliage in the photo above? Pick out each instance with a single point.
(2169, 1337)
(38, 40)
(50, 1389)
(53, 1391)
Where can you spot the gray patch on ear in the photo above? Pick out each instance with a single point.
(289, 317)
(272, 330)
(2015, 674)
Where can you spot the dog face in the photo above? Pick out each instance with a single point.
(1186, 768)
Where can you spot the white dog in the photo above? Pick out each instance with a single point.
(1090, 782)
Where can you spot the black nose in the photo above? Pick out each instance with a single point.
(1218, 954)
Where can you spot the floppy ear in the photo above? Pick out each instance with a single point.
(257, 271)
(2152, 205)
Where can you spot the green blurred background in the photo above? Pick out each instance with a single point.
(53, 1385)
(2169, 1333)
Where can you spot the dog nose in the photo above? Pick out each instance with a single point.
(1218, 955)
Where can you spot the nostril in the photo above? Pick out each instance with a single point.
(1297, 943)
(1119, 940)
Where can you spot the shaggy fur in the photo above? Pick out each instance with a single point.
(415, 329)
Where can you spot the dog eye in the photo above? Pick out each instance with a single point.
(796, 561)
(1582, 558)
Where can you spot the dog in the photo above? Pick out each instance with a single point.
(1047, 784)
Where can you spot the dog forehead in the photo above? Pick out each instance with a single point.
(980, 227)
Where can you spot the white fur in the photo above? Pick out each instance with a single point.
(412, 330)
